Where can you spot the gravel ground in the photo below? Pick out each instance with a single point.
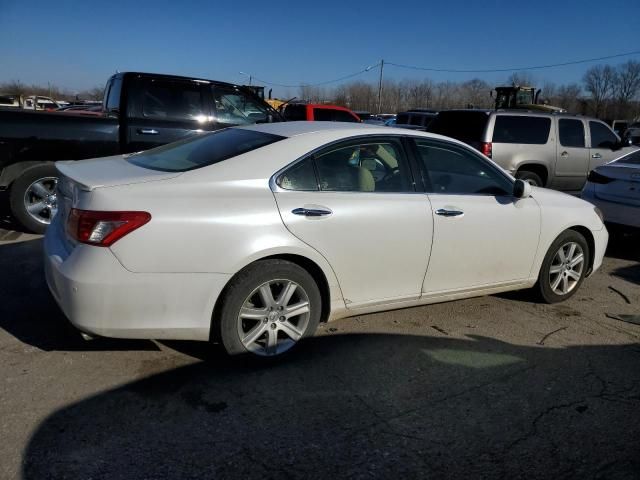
(491, 387)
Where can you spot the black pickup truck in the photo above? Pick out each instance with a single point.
(139, 111)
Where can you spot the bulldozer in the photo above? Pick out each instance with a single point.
(522, 97)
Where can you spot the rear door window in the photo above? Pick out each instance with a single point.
(571, 133)
(168, 100)
(521, 129)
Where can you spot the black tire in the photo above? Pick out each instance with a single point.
(530, 177)
(544, 285)
(19, 190)
(239, 291)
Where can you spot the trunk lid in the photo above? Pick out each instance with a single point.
(109, 172)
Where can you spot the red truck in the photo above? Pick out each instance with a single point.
(318, 112)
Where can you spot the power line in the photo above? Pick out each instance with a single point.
(447, 70)
(535, 67)
(346, 77)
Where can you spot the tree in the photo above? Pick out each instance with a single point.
(627, 81)
(599, 81)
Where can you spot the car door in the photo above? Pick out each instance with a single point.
(166, 111)
(482, 235)
(355, 203)
(572, 159)
(603, 144)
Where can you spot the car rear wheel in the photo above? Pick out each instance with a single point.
(268, 308)
(531, 178)
(564, 267)
(33, 198)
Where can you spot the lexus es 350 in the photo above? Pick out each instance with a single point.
(251, 236)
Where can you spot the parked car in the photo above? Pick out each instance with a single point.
(632, 134)
(10, 101)
(615, 189)
(38, 102)
(544, 149)
(141, 111)
(418, 119)
(253, 235)
(318, 112)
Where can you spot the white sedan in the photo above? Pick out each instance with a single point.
(615, 189)
(251, 236)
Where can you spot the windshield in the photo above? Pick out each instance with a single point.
(202, 150)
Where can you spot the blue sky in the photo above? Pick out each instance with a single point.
(78, 44)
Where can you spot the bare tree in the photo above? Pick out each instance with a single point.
(568, 97)
(475, 93)
(599, 81)
(521, 78)
(627, 81)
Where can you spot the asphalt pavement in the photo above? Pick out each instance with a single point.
(491, 387)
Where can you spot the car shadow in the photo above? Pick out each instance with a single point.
(29, 312)
(624, 243)
(360, 406)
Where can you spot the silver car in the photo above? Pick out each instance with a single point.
(615, 189)
(550, 150)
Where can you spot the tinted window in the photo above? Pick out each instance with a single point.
(366, 167)
(571, 133)
(202, 150)
(402, 119)
(601, 136)
(331, 115)
(520, 129)
(466, 126)
(172, 100)
(234, 107)
(295, 112)
(452, 170)
(301, 176)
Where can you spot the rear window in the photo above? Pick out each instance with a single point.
(465, 126)
(203, 150)
(520, 129)
(402, 119)
(331, 115)
(295, 112)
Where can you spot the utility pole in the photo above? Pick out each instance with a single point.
(380, 87)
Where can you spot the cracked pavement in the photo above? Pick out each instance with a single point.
(490, 387)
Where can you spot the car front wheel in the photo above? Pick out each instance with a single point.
(564, 267)
(268, 308)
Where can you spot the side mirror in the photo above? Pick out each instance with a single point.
(521, 189)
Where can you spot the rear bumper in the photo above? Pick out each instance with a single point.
(100, 297)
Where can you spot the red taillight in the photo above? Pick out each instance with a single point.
(486, 148)
(103, 228)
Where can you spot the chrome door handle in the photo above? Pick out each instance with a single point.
(564, 154)
(596, 155)
(449, 213)
(147, 131)
(311, 212)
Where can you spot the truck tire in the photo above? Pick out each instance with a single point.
(531, 178)
(33, 199)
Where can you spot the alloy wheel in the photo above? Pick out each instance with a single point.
(41, 200)
(566, 268)
(274, 317)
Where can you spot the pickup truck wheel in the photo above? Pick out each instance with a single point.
(531, 178)
(33, 199)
